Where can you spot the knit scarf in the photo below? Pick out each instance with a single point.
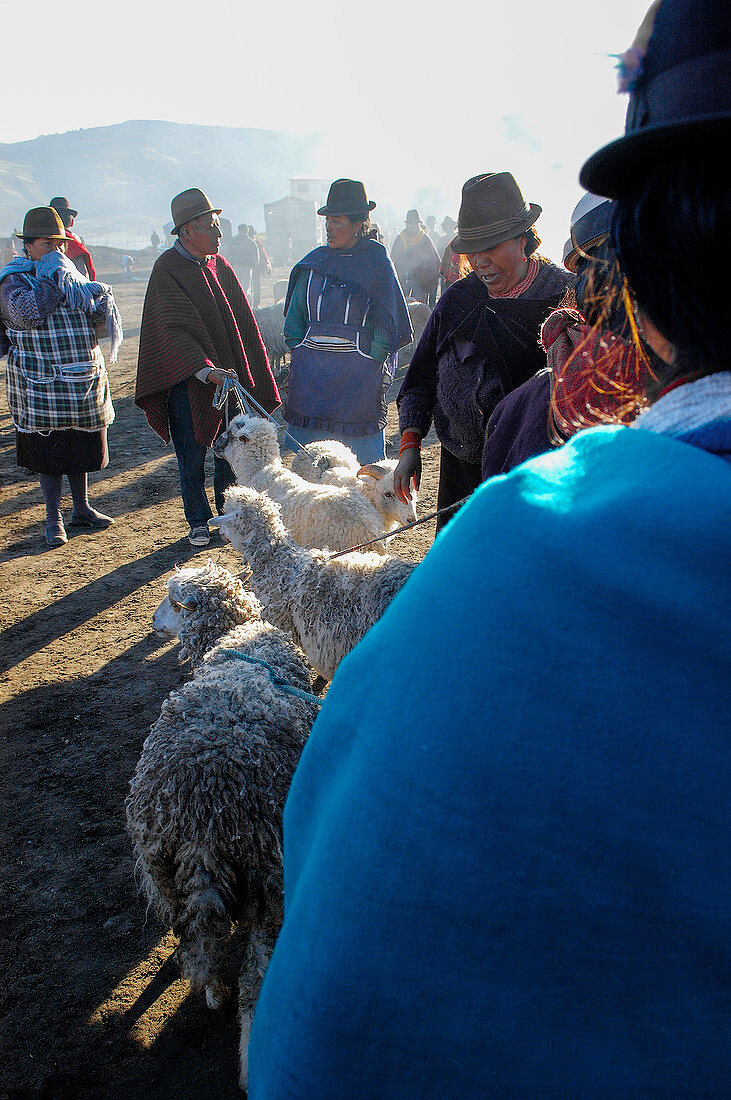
(698, 413)
(83, 294)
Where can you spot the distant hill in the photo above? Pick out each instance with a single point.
(121, 178)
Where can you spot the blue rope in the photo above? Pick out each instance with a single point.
(276, 680)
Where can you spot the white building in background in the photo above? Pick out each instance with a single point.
(310, 189)
(292, 226)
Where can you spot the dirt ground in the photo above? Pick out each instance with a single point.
(91, 1003)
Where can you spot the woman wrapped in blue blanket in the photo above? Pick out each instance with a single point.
(346, 319)
(506, 844)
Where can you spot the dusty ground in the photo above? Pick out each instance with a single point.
(91, 1001)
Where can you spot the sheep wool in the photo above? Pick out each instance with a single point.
(332, 463)
(327, 605)
(204, 810)
(315, 515)
(201, 605)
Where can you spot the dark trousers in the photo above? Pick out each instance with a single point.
(191, 456)
(457, 479)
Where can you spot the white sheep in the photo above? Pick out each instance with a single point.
(315, 515)
(200, 606)
(205, 805)
(326, 604)
(329, 461)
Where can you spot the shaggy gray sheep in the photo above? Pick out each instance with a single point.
(204, 809)
(326, 605)
(419, 314)
(201, 605)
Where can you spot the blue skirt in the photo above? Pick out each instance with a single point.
(367, 448)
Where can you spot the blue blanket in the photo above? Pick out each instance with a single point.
(366, 265)
(506, 845)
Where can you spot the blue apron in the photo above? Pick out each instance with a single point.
(334, 385)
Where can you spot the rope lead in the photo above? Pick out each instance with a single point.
(276, 680)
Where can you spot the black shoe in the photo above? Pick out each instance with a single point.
(92, 518)
(199, 536)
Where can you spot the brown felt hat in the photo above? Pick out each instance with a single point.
(42, 222)
(188, 205)
(493, 210)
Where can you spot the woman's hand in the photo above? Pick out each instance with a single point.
(408, 470)
(218, 374)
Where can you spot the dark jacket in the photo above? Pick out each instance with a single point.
(474, 350)
(518, 428)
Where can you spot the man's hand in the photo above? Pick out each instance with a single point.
(408, 470)
(217, 375)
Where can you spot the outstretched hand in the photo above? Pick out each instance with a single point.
(408, 470)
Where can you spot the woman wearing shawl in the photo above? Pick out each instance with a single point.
(346, 319)
(481, 341)
(506, 851)
(57, 384)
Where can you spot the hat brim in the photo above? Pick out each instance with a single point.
(199, 214)
(339, 212)
(463, 248)
(615, 168)
(41, 237)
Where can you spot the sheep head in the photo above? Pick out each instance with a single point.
(248, 444)
(251, 519)
(202, 604)
(378, 487)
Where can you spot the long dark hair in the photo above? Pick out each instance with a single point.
(671, 235)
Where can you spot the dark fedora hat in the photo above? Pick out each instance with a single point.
(188, 205)
(346, 197)
(493, 210)
(589, 226)
(63, 206)
(679, 93)
(42, 222)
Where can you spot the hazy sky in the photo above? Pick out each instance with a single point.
(406, 96)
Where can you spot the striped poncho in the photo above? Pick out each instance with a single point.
(196, 315)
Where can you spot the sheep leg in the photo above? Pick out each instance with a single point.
(204, 927)
(252, 974)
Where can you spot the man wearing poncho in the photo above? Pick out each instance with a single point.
(197, 328)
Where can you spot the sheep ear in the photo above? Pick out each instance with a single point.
(372, 470)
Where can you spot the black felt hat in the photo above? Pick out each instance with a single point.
(680, 93)
(346, 197)
(62, 206)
